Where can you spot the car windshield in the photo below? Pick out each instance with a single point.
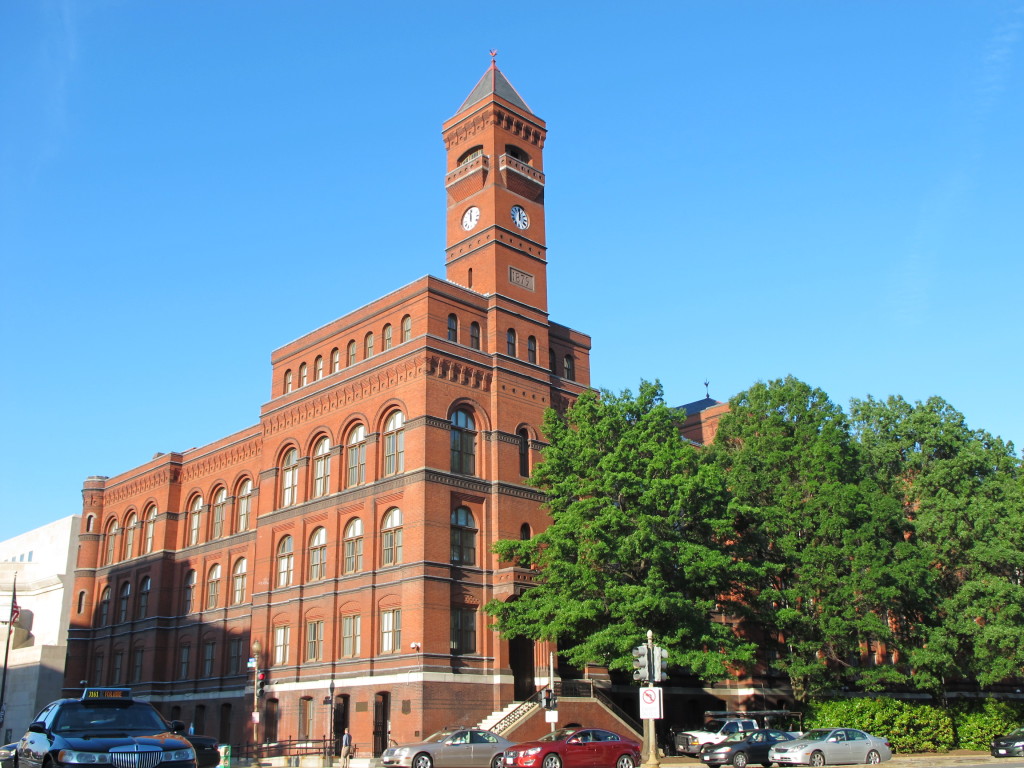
(714, 725)
(78, 716)
(559, 735)
(734, 737)
(440, 735)
(818, 734)
(1016, 733)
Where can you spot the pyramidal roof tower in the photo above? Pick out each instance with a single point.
(495, 186)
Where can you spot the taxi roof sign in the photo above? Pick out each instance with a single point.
(91, 694)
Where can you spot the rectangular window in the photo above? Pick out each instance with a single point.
(314, 640)
(97, 669)
(235, 655)
(391, 630)
(463, 630)
(137, 666)
(353, 555)
(115, 667)
(350, 632)
(282, 639)
(184, 652)
(209, 652)
(391, 548)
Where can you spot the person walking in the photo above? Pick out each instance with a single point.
(346, 748)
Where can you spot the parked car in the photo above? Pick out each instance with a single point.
(575, 748)
(207, 751)
(104, 726)
(7, 755)
(831, 746)
(739, 749)
(714, 730)
(454, 747)
(1010, 745)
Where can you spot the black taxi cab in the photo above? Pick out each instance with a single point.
(105, 727)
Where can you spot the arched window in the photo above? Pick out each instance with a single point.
(335, 360)
(350, 353)
(289, 382)
(471, 154)
(318, 555)
(220, 505)
(391, 537)
(188, 593)
(463, 443)
(531, 349)
(406, 328)
(193, 520)
(150, 531)
(89, 521)
(516, 153)
(112, 530)
(353, 545)
(244, 505)
(474, 335)
(238, 581)
(142, 609)
(524, 452)
(385, 336)
(510, 341)
(318, 368)
(303, 375)
(213, 587)
(570, 368)
(524, 532)
(289, 477)
(463, 537)
(103, 614)
(394, 444)
(368, 345)
(81, 601)
(285, 562)
(453, 328)
(322, 467)
(357, 456)
(122, 602)
(129, 536)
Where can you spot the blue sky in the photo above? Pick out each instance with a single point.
(736, 191)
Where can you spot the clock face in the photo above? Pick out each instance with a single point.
(470, 218)
(519, 217)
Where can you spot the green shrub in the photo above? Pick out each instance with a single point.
(979, 720)
(909, 726)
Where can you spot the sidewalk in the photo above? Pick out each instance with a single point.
(916, 759)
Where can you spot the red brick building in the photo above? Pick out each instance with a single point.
(345, 538)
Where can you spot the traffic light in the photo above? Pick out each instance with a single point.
(658, 673)
(261, 683)
(641, 663)
(548, 699)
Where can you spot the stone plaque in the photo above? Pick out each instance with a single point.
(522, 279)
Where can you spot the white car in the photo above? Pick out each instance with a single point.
(832, 746)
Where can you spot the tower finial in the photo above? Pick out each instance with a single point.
(707, 392)
(494, 55)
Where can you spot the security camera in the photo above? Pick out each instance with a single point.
(414, 646)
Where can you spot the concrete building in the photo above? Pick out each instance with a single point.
(40, 566)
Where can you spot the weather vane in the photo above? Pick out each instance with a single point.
(494, 55)
(707, 392)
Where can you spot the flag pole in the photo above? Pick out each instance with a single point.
(7, 649)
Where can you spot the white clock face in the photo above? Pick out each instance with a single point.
(519, 217)
(470, 218)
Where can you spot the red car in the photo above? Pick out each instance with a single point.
(575, 748)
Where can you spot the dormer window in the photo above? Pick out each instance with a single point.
(471, 154)
(517, 154)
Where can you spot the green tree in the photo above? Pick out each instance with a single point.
(830, 549)
(961, 491)
(633, 544)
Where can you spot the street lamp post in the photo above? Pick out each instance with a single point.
(257, 650)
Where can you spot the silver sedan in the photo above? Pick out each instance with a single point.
(832, 746)
(450, 748)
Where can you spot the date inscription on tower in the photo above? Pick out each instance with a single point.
(522, 279)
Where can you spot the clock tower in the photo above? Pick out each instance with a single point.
(495, 188)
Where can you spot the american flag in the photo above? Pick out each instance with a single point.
(15, 608)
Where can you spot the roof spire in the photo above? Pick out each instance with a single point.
(494, 56)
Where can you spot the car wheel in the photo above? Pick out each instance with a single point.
(624, 761)
(552, 761)
(422, 760)
(817, 759)
(740, 760)
(873, 758)
(498, 760)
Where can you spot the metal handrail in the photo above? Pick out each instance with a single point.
(512, 718)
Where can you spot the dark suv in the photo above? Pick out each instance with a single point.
(105, 727)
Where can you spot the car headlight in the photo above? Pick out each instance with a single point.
(719, 750)
(401, 752)
(73, 756)
(177, 755)
(1016, 744)
(530, 751)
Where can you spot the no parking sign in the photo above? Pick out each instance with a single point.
(650, 704)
